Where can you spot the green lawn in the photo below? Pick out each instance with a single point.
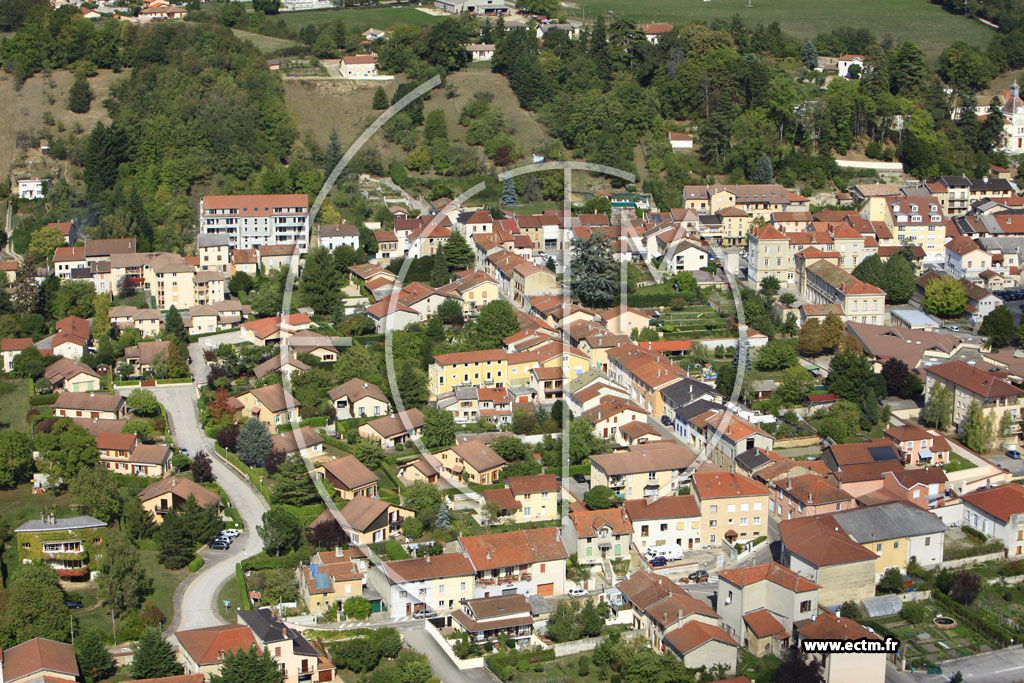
(957, 463)
(14, 406)
(361, 19)
(139, 300)
(923, 23)
(265, 44)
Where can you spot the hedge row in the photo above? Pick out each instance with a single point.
(264, 561)
(196, 564)
(975, 620)
(43, 400)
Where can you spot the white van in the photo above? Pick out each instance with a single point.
(670, 552)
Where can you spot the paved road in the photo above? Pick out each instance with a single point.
(195, 601)
(444, 668)
(1001, 666)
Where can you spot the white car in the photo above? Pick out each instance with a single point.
(230, 532)
(578, 593)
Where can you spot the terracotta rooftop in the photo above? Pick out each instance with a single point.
(726, 485)
(423, 568)
(514, 548)
(693, 634)
(349, 472)
(1000, 502)
(207, 645)
(38, 655)
(770, 571)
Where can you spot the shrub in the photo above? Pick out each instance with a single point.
(913, 612)
(412, 527)
(891, 582)
(583, 666)
(974, 533)
(357, 607)
(965, 587)
(523, 665)
(196, 564)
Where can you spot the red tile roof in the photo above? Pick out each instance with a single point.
(589, 522)
(763, 624)
(770, 571)
(536, 483)
(667, 507)
(208, 645)
(972, 379)
(821, 541)
(831, 627)
(692, 635)
(423, 568)
(514, 548)
(36, 656)
(1000, 502)
(726, 485)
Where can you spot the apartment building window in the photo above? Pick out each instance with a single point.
(757, 521)
(712, 538)
(713, 523)
(896, 545)
(440, 589)
(928, 539)
(743, 521)
(731, 508)
(462, 586)
(714, 508)
(878, 547)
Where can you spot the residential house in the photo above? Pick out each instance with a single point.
(391, 314)
(144, 356)
(309, 341)
(489, 619)
(624, 319)
(844, 667)
(358, 66)
(733, 508)
(67, 260)
(304, 442)
(968, 384)
(72, 337)
(201, 650)
(39, 660)
(395, 429)
(348, 477)
(925, 487)
(668, 520)
(818, 549)
(11, 347)
(368, 520)
(272, 404)
(918, 446)
(475, 288)
(659, 606)
(214, 252)
(680, 141)
(72, 375)
(913, 220)
(483, 52)
(613, 413)
(338, 235)
(965, 259)
(684, 392)
(439, 583)
(528, 561)
(331, 577)
(298, 660)
(598, 536)
(759, 605)
(168, 494)
(97, 406)
(805, 495)
(32, 188)
(824, 282)
(65, 544)
(424, 468)
(913, 347)
(723, 434)
(998, 512)
(283, 364)
(654, 31)
(471, 460)
(356, 398)
(859, 466)
(265, 331)
(644, 373)
(648, 470)
(472, 404)
(699, 644)
(125, 454)
(532, 498)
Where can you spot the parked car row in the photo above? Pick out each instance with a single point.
(224, 539)
(1010, 294)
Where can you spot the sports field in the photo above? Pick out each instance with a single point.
(362, 19)
(919, 21)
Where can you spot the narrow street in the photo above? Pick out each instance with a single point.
(195, 600)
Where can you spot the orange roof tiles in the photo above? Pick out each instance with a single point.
(770, 571)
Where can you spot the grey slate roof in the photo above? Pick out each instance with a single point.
(81, 522)
(884, 522)
(269, 629)
(686, 390)
(752, 459)
(204, 240)
(694, 409)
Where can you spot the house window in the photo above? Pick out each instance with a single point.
(927, 540)
(805, 606)
(878, 547)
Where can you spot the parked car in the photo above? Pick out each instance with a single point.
(74, 604)
(218, 544)
(659, 561)
(1013, 454)
(225, 539)
(578, 593)
(699, 576)
(579, 479)
(423, 614)
(230, 532)
(666, 420)
(183, 450)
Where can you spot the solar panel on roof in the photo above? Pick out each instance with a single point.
(881, 453)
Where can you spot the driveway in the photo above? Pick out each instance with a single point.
(1000, 666)
(444, 668)
(195, 600)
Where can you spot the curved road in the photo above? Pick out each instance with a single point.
(195, 600)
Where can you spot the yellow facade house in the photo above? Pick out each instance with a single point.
(532, 498)
(645, 470)
(471, 460)
(732, 507)
(273, 405)
(600, 535)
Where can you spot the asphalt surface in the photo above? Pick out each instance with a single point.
(195, 600)
(1001, 666)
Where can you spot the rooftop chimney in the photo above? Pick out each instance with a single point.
(428, 559)
(488, 554)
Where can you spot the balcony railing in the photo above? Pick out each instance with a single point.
(509, 579)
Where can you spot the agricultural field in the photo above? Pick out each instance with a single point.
(923, 23)
(265, 44)
(24, 113)
(362, 19)
(346, 106)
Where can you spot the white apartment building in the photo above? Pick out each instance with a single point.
(254, 220)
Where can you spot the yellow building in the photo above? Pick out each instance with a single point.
(732, 507)
(348, 477)
(471, 460)
(298, 660)
(600, 535)
(499, 368)
(533, 498)
(272, 405)
(171, 493)
(646, 470)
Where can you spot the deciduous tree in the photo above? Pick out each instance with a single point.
(438, 428)
(280, 531)
(122, 582)
(945, 297)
